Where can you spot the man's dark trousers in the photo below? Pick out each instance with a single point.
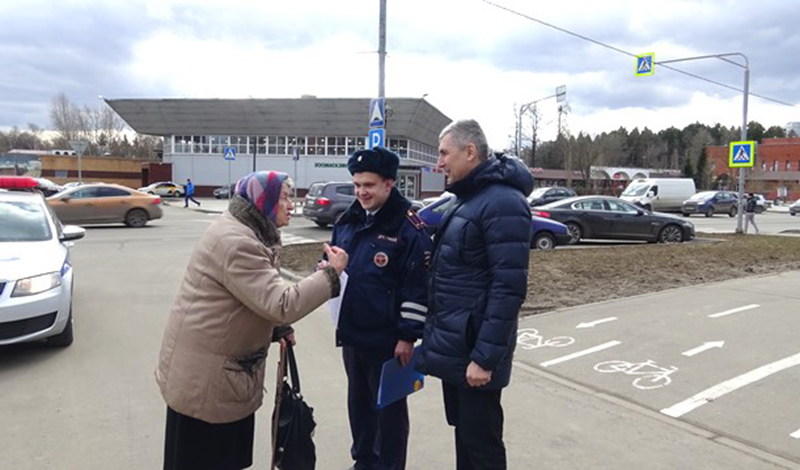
(380, 437)
(477, 416)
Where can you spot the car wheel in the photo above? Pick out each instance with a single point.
(792, 213)
(321, 224)
(686, 214)
(670, 234)
(64, 338)
(543, 241)
(710, 212)
(177, 194)
(575, 232)
(732, 212)
(759, 209)
(136, 218)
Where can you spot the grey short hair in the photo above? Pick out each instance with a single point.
(465, 132)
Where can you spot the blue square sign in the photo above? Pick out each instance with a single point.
(376, 138)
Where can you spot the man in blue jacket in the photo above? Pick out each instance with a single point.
(189, 196)
(478, 282)
(384, 303)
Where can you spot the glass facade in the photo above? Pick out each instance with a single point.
(280, 145)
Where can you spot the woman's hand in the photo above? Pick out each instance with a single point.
(337, 257)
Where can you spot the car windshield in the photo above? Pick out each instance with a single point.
(537, 193)
(636, 190)
(23, 222)
(702, 195)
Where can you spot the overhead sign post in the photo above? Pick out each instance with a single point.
(229, 153)
(295, 158)
(645, 64)
(79, 146)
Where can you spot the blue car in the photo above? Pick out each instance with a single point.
(545, 234)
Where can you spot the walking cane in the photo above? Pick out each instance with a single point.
(276, 412)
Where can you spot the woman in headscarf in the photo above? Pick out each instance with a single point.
(211, 366)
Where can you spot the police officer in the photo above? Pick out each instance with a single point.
(384, 304)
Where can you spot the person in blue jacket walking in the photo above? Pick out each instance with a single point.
(189, 196)
(478, 282)
(383, 307)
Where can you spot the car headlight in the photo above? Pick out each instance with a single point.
(36, 284)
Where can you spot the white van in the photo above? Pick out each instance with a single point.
(659, 194)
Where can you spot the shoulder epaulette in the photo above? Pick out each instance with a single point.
(415, 220)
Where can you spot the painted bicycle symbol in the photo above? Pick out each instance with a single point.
(529, 338)
(652, 375)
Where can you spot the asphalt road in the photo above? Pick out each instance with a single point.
(95, 405)
(770, 222)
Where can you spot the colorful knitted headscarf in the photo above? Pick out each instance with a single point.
(263, 190)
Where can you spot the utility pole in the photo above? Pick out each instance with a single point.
(382, 52)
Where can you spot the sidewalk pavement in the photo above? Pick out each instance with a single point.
(210, 205)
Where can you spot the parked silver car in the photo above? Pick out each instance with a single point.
(325, 202)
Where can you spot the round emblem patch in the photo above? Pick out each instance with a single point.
(380, 259)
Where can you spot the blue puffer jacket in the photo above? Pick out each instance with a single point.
(479, 276)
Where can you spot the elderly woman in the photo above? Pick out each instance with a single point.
(211, 366)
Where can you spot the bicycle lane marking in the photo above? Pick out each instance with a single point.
(582, 353)
(734, 310)
(723, 388)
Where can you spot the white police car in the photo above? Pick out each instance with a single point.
(35, 271)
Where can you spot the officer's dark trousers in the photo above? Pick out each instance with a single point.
(478, 418)
(380, 437)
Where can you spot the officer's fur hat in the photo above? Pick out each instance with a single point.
(375, 160)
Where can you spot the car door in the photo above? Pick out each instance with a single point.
(593, 216)
(629, 222)
(76, 207)
(111, 204)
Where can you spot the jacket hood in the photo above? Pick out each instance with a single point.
(505, 170)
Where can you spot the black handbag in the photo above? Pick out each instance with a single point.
(293, 421)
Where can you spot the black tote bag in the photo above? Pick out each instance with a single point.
(293, 421)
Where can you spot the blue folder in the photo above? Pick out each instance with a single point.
(398, 382)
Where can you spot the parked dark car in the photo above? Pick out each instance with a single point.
(224, 192)
(602, 217)
(546, 195)
(709, 203)
(545, 234)
(326, 201)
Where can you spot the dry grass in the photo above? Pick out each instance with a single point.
(565, 278)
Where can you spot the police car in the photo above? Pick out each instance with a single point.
(35, 270)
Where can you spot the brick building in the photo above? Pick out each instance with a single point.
(776, 173)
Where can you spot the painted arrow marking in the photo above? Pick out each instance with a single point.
(704, 347)
(735, 310)
(591, 324)
(795, 434)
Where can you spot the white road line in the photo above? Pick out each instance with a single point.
(578, 354)
(724, 388)
(735, 310)
(795, 434)
(592, 324)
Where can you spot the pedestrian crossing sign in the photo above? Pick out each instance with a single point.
(230, 153)
(742, 154)
(645, 64)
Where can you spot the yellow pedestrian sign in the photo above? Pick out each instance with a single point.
(742, 154)
(645, 64)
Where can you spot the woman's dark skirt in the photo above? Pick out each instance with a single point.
(194, 444)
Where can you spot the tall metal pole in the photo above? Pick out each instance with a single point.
(522, 110)
(382, 52)
(742, 171)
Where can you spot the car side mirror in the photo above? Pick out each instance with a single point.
(72, 232)
(651, 194)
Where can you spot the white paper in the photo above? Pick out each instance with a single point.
(335, 304)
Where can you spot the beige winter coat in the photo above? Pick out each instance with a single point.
(231, 297)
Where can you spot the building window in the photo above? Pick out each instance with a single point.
(788, 165)
(775, 165)
(200, 143)
(218, 143)
(355, 143)
(399, 146)
(183, 144)
(337, 145)
(316, 146)
(763, 166)
(299, 142)
(239, 142)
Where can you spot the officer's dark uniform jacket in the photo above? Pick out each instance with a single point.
(385, 298)
(479, 275)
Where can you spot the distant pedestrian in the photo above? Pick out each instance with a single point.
(479, 279)
(750, 212)
(189, 196)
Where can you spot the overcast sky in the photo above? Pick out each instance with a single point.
(470, 58)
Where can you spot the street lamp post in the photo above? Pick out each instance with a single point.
(560, 91)
(746, 92)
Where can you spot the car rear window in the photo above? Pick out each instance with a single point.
(316, 189)
(347, 190)
(23, 222)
